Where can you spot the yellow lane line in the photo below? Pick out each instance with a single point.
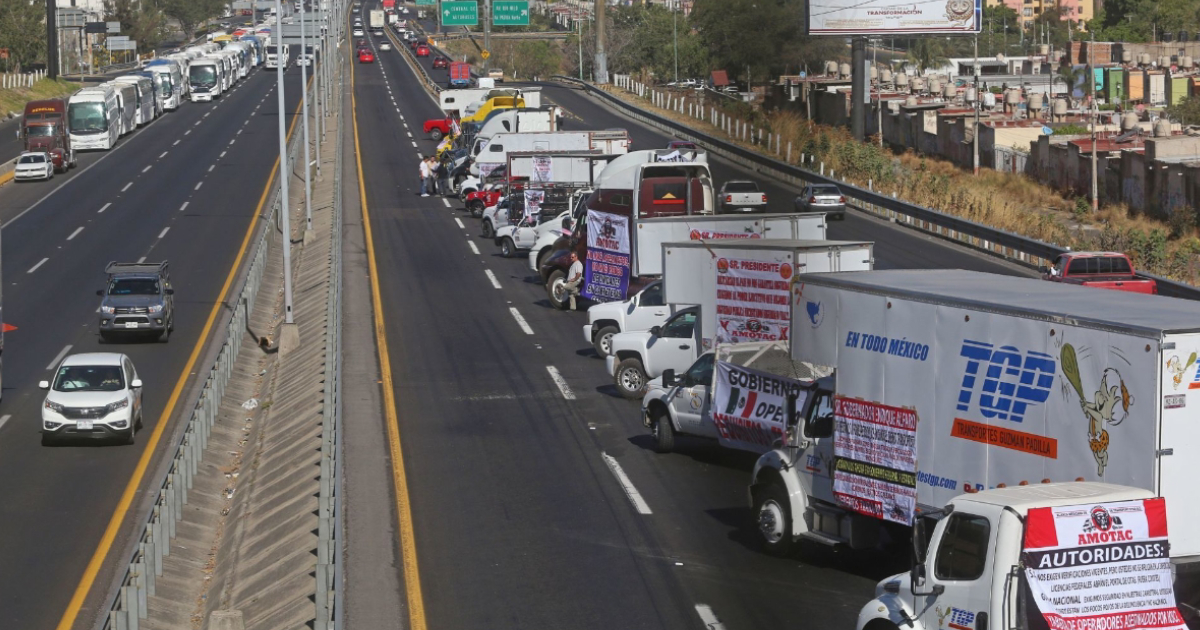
(408, 545)
(118, 517)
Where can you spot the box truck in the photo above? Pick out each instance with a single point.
(550, 184)
(493, 152)
(376, 18)
(737, 291)
(948, 381)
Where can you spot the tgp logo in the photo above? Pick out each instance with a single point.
(1010, 380)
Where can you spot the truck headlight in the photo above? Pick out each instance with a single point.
(156, 308)
(108, 310)
(50, 426)
(53, 406)
(120, 404)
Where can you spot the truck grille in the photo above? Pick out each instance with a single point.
(119, 321)
(126, 310)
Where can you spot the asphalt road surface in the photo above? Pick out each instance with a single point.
(513, 434)
(183, 188)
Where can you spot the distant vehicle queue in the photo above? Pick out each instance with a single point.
(95, 117)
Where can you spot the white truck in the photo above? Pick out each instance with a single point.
(456, 101)
(1057, 555)
(376, 18)
(560, 178)
(609, 318)
(521, 120)
(740, 289)
(493, 152)
(741, 196)
(1014, 381)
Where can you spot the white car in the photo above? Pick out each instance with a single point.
(358, 32)
(384, 47)
(93, 395)
(304, 59)
(34, 165)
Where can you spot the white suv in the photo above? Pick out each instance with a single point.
(93, 395)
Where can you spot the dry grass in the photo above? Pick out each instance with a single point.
(1006, 201)
(14, 99)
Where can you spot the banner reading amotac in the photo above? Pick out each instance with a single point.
(875, 458)
(753, 300)
(606, 270)
(1102, 567)
(750, 407)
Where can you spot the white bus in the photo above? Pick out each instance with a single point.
(204, 77)
(94, 118)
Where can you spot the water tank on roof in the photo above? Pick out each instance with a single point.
(1129, 121)
(831, 67)
(910, 101)
(1035, 102)
(1043, 49)
(1012, 97)
(970, 96)
(1186, 62)
(874, 73)
(950, 91)
(1059, 108)
(844, 70)
(935, 86)
(1162, 128)
(1126, 56)
(886, 75)
(1144, 59)
(989, 99)
(1164, 62)
(918, 85)
(901, 79)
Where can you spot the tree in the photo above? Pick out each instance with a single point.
(926, 53)
(1187, 112)
(23, 33)
(192, 13)
(760, 35)
(1056, 29)
(142, 22)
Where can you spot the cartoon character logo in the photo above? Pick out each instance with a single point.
(607, 230)
(1100, 520)
(1177, 369)
(816, 314)
(959, 10)
(785, 271)
(1109, 405)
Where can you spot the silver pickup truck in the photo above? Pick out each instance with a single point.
(138, 299)
(741, 196)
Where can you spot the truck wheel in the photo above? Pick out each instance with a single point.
(486, 229)
(664, 433)
(555, 289)
(630, 378)
(476, 207)
(436, 135)
(130, 436)
(508, 248)
(773, 517)
(602, 342)
(165, 335)
(541, 257)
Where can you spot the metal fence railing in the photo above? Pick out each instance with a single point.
(129, 603)
(984, 238)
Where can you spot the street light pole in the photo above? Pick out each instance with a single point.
(284, 173)
(675, 13)
(1092, 84)
(304, 122)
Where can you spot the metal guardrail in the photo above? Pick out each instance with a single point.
(329, 512)
(1000, 243)
(129, 604)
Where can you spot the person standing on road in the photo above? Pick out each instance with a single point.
(431, 177)
(574, 278)
(424, 178)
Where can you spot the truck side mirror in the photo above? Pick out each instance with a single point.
(656, 331)
(100, 292)
(169, 291)
(793, 416)
(981, 620)
(668, 378)
(566, 223)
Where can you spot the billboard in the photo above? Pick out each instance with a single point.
(889, 17)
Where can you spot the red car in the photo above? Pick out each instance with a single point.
(439, 62)
(366, 56)
(422, 50)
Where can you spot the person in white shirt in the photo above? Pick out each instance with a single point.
(574, 278)
(424, 178)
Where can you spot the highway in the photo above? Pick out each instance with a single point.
(522, 461)
(184, 188)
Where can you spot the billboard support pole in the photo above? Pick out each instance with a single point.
(858, 89)
(600, 74)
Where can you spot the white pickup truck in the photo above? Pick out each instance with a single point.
(741, 196)
(643, 311)
(522, 236)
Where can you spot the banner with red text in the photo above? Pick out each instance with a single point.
(753, 300)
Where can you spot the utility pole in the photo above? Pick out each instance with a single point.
(675, 15)
(304, 123)
(1092, 85)
(600, 73)
(858, 88)
(487, 31)
(579, 30)
(52, 38)
(975, 142)
(285, 172)
(878, 91)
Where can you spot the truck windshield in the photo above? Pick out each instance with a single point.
(86, 118)
(89, 378)
(32, 158)
(40, 131)
(203, 75)
(133, 286)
